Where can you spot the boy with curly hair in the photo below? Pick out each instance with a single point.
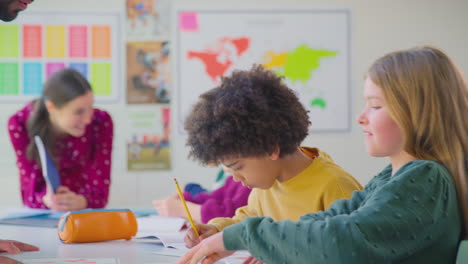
(254, 124)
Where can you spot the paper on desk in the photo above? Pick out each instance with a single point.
(71, 260)
(237, 258)
(166, 229)
(174, 252)
(149, 226)
(21, 212)
(168, 240)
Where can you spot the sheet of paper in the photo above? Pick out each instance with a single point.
(150, 226)
(71, 260)
(237, 258)
(173, 252)
(166, 229)
(172, 239)
(21, 212)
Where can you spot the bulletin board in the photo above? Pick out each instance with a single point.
(37, 44)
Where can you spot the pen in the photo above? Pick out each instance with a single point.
(189, 216)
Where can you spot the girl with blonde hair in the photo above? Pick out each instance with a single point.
(415, 210)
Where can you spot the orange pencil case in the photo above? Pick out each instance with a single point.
(93, 225)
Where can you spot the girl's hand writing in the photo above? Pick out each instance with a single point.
(209, 251)
(205, 231)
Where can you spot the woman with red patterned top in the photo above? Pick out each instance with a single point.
(76, 135)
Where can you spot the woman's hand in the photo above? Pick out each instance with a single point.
(64, 200)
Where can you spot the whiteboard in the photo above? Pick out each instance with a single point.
(309, 47)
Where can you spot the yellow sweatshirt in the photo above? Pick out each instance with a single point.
(312, 190)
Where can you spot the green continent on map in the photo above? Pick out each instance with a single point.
(296, 65)
(318, 102)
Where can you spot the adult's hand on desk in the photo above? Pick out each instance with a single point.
(14, 247)
(209, 251)
(5, 260)
(204, 231)
(64, 200)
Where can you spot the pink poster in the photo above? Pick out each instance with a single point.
(53, 67)
(32, 41)
(78, 41)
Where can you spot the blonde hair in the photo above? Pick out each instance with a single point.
(428, 98)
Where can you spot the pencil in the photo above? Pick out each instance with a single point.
(189, 216)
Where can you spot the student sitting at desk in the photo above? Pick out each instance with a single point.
(203, 205)
(78, 137)
(415, 211)
(254, 124)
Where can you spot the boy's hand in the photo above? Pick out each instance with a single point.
(205, 231)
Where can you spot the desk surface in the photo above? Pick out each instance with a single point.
(128, 252)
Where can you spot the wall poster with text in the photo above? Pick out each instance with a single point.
(149, 140)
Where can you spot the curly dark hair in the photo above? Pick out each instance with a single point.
(248, 115)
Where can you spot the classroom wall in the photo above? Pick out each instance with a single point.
(377, 27)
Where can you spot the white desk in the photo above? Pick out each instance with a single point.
(128, 252)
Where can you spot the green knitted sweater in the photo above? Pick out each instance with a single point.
(410, 217)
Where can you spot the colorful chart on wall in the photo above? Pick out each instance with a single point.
(37, 44)
(149, 139)
(310, 48)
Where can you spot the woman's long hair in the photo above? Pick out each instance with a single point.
(61, 88)
(428, 98)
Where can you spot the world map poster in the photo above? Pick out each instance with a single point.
(309, 48)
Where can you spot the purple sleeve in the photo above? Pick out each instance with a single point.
(201, 197)
(96, 190)
(33, 186)
(224, 201)
(189, 197)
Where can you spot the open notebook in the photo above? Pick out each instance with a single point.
(165, 230)
(29, 217)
